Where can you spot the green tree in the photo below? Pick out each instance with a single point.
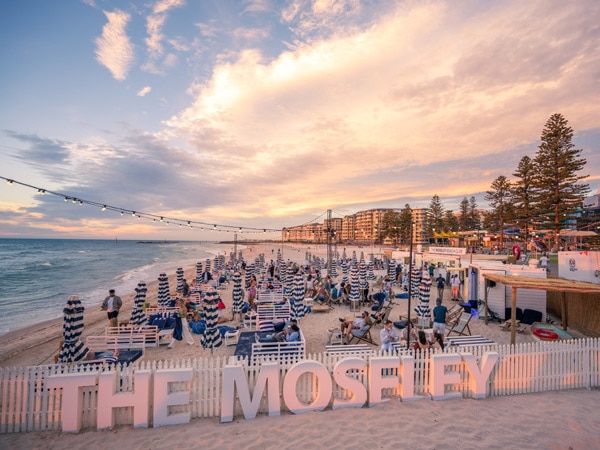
(500, 197)
(390, 223)
(557, 182)
(463, 215)
(523, 194)
(435, 213)
(405, 225)
(474, 221)
(450, 221)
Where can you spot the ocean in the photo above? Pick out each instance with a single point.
(38, 275)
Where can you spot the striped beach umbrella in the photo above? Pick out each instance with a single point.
(164, 293)
(415, 281)
(212, 336)
(362, 276)
(137, 313)
(207, 264)
(370, 272)
(422, 310)
(334, 272)
(354, 260)
(345, 272)
(354, 284)
(299, 308)
(72, 349)
(392, 271)
(288, 287)
(179, 273)
(198, 273)
(237, 293)
(283, 273)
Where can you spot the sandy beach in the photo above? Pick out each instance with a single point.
(565, 419)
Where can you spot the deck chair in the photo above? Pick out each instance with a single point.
(383, 310)
(366, 337)
(461, 326)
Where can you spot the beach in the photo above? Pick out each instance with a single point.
(564, 419)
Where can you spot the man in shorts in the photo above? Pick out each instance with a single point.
(440, 315)
(112, 304)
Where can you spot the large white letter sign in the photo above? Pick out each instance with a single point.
(357, 389)
(234, 376)
(163, 397)
(72, 397)
(109, 398)
(291, 380)
(439, 378)
(378, 381)
(478, 379)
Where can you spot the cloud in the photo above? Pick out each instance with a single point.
(145, 90)
(356, 116)
(154, 26)
(114, 49)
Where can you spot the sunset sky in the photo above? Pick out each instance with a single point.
(265, 113)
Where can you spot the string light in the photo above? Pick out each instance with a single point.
(140, 215)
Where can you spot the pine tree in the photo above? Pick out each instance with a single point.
(559, 193)
(406, 221)
(500, 197)
(463, 215)
(435, 215)
(523, 194)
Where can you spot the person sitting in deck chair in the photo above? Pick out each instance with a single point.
(357, 327)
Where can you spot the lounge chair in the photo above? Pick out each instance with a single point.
(366, 336)
(461, 326)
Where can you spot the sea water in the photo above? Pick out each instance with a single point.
(38, 275)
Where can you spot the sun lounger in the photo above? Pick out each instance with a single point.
(462, 325)
(366, 337)
(150, 332)
(349, 350)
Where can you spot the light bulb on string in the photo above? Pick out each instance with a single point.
(103, 207)
(9, 182)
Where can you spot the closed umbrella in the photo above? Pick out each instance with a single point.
(212, 336)
(299, 308)
(137, 313)
(164, 293)
(72, 349)
(415, 281)
(354, 286)
(179, 274)
(198, 273)
(237, 294)
(422, 310)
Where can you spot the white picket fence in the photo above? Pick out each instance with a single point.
(26, 404)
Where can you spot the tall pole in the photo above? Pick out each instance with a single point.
(235, 255)
(329, 242)
(410, 257)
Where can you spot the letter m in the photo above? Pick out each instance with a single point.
(235, 376)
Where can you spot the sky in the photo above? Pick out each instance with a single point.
(264, 114)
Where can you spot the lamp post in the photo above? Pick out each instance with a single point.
(410, 257)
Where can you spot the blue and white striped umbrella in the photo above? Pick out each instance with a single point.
(283, 272)
(362, 276)
(237, 293)
(345, 271)
(334, 272)
(362, 256)
(179, 273)
(392, 271)
(288, 287)
(354, 284)
(198, 273)
(371, 273)
(212, 336)
(422, 308)
(354, 260)
(164, 293)
(299, 308)
(207, 264)
(415, 281)
(137, 313)
(72, 350)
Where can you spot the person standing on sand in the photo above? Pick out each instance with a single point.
(112, 304)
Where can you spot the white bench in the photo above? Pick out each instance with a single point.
(116, 342)
(272, 313)
(150, 332)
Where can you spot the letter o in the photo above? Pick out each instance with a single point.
(291, 380)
